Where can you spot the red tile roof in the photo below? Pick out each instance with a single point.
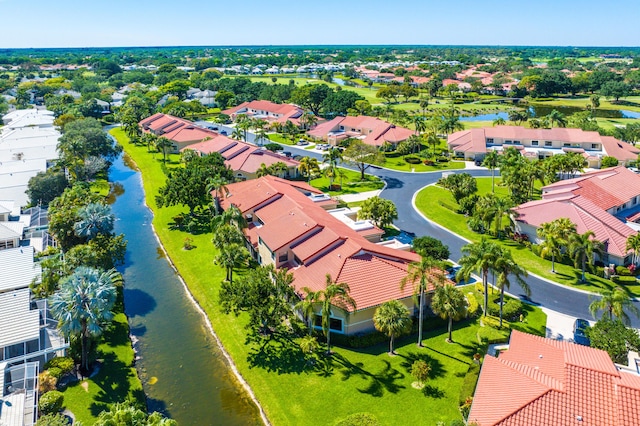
(540, 381)
(321, 242)
(371, 130)
(175, 128)
(281, 112)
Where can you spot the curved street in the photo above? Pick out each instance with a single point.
(401, 187)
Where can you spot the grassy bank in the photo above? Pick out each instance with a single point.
(350, 182)
(437, 204)
(293, 391)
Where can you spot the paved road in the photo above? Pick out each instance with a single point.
(400, 189)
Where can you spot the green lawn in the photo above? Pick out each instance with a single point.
(399, 164)
(350, 182)
(294, 392)
(117, 380)
(437, 204)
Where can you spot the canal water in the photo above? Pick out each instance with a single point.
(183, 371)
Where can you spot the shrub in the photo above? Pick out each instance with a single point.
(511, 310)
(359, 419)
(359, 340)
(473, 307)
(479, 287)
(536, 249)
(51, 402)
(53, 420)
(428, 162)
(64, 363)
(442, 160)
(55, 372)
(469, 383)
(622, 270)
(600, 271)
(626, 279)
(46, 382)
(412, 159)
(468, 204)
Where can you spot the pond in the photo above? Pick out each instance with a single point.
(538, 110)
(486, 117)
(183, 371)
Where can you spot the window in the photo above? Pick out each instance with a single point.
(516, 142)
(566, 145)
(490, 140)
(335, 324)
(507, 142)
(273, 255)
(283, 257)
(548, 143)
(534, 143)
(594, 146)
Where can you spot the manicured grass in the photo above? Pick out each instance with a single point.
(101, 187)
(117, 380)
(399, 164)
(275, 137)
(437, 204)
(295, 392)
(350, 182)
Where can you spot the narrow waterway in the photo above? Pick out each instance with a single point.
(183, 371)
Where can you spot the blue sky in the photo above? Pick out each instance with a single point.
(80, 23)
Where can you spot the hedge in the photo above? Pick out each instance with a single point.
(469, 383)
(511, 310)
(51, 402)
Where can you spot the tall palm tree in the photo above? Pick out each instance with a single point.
(334, 294)
(306, 306)
(392, 318)
(582, 247)
(633, 244)
(237, 133)
(263, 170)
(232, 256)
(449, 303)
(332, 158)
(162, 144)
(505, 267)
(420, 274)
(95, 218)
(309, 166)
(551, 243)
(83, 305)
(420, 123)
(261, 136)
(149, 139)
(226, 234)
(217, 185)
(231, 216)
(556, 117)
(479, 257)
(614, 303)
(491, 162)
(499, 122)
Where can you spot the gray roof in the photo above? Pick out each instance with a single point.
(18, 268)
(18, 322)
(8, 232)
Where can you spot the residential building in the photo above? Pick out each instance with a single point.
(243, 158)
(371, 130)
(294, 226)
(540, 381)
(28, 118)
(606, 202)
(179, 131)
(473, 144)
(267, 111)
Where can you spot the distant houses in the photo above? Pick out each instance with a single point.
(294, 226)
(473, 144)
(267, 111)
(243, 158)
(606, 202)
(370, 130)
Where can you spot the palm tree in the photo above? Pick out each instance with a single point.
(479, 257)
(420, 123)
(551, 243)
(83, 305)
(449, 303)
(451, 121)
(308, 120)
(263, 170)
(332, 158)
(309, 166)
(95, 218)
(231, 256)
(506, 266)
(491, 162)
(149, 139)
(392, 318)
(582, 247)
(162, 144)
(217, 185)
(306, 304)
(502, 206)
(556, 117)
(424, 104)
(261, 135)
(594, 101)
(420, 275)
(226, 234)
(433, 140)
(237, 133)
(614, 303)
(633, 244)
(334, 294)
(499, 122)
(231, 216)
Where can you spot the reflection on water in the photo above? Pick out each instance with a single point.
(183, 372)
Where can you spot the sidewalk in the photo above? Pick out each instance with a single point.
(361, 196)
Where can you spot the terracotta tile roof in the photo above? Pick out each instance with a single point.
(322, 243)
(282, 112)
(476, 138)
(374, 130)
(176, 129)
(553, 382)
